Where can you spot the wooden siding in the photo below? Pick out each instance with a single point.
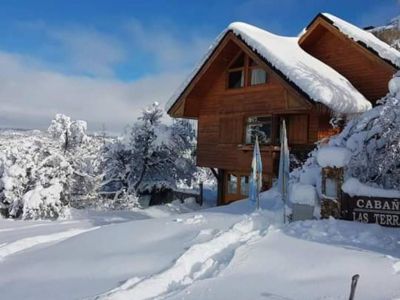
(368, 73)
(222, 112)
(222, 115)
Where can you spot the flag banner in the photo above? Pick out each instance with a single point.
(256, 176)
(284, 161)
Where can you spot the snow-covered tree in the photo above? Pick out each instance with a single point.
(70, 134)
(35, 178)
(41, 174)
(153, 155)
(374, 140)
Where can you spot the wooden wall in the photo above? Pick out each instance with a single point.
(222, 115)
(368, 73)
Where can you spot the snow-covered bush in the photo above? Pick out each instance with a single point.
(34, 178)
(42, 174)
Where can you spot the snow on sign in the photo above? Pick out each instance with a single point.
(383, 211)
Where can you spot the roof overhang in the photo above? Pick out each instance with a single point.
(177, 108)
(321, 20)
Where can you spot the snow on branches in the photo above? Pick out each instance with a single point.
(152, 156)
(368, 148)
(70, 134)
(41, 173)
(44, 173)
(374, 141)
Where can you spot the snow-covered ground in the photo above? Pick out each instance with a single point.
(228, 252)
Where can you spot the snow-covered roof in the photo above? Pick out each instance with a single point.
(316, 79)
(368, 40)
(319, 81)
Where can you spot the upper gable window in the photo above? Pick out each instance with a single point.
(235, 79)
(257, 74)
(243, 71)
(236, 73)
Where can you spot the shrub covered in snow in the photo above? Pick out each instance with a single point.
(42, 173)
(32, 178)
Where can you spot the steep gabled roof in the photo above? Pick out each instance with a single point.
(317, 80)
(362, 37)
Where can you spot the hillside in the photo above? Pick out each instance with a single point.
(389, 33)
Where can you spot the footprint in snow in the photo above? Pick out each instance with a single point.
(197, 219)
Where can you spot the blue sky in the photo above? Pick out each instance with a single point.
(104, 60)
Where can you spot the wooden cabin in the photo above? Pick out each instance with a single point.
(252, 79)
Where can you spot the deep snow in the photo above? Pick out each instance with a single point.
(228, 252)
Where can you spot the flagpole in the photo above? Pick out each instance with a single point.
(284, 198)
(258, 194)
(283, 178)
(258, 180)
(255, 177)
(283, 163)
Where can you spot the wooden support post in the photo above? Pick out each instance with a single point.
(221, 192)
(201, 193)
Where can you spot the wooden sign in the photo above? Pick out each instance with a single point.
(383, 211)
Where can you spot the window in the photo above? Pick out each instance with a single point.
(244, 185)
(232, 184)
(238, 63)
(236, 73)
(235, 79)
(244, 71)
(260, 127)
(237, 185)
(258, 76)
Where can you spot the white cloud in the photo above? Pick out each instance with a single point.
(89, 51)
(166, 46)
(81, 81)
(31, 95)
(75, 48)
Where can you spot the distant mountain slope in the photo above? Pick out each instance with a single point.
(389, 33)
